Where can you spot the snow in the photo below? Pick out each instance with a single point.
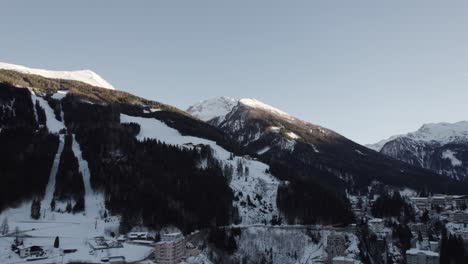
(257, 184)
(50, 189)
(415, 251)
(450, 155)
(219, 107)
(209, 109)
(86, 76)
(259, 105)
(359, 152)
(263, 150)
(54, 125)
(59, 95)
(292, 135)
(442, 133)
(94, 202)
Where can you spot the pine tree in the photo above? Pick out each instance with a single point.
(52, 204)
(246, 171)
(4, 228)
(35, 209)
(56, 242)
(240, 168)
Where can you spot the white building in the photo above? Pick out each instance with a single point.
(459, 217)
(416, 256)
(28, 251)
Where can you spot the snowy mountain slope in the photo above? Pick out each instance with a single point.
(86, 76)
(440, 147)
(441, 133)
(309, 149)
(215, 108)
(255, 193)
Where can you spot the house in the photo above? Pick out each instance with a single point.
(416, 256)
(171, 249)
(342, 260)
(28, 251)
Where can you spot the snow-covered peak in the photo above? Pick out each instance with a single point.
(442, 133)
(86, 76)
(254, 103)
(216, 107)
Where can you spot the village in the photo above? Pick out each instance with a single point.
(437, 219)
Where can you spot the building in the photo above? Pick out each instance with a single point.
(419, 227)
(460, 201)
(342, 260)
(421, 202)
(29, 251)
(459, 217)
(376, 225)
(171, 249)
(191, 250)
(336, 245)
(440, 201)
(416, 256)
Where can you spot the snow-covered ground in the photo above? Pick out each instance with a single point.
(288, 244)
(86, 76)
(258, 186)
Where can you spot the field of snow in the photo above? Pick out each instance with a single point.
(86, 76)
(259, 187)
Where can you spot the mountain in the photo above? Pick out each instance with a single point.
(307, 151)
(80, 150)
(440, 147)
(86, 76)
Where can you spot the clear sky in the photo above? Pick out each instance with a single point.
(366, 69)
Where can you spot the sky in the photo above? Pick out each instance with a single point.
(366, 69)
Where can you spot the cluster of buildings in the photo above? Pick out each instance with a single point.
(173, 248)
(441, 201)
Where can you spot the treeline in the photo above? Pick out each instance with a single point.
(393, 205)
(69, 184)
(302, 200)
(149, 182)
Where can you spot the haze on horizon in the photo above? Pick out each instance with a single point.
(365, 69)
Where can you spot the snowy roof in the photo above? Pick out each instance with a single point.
(86, 76)
(415, 251)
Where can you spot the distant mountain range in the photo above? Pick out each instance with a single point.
(440, 147)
